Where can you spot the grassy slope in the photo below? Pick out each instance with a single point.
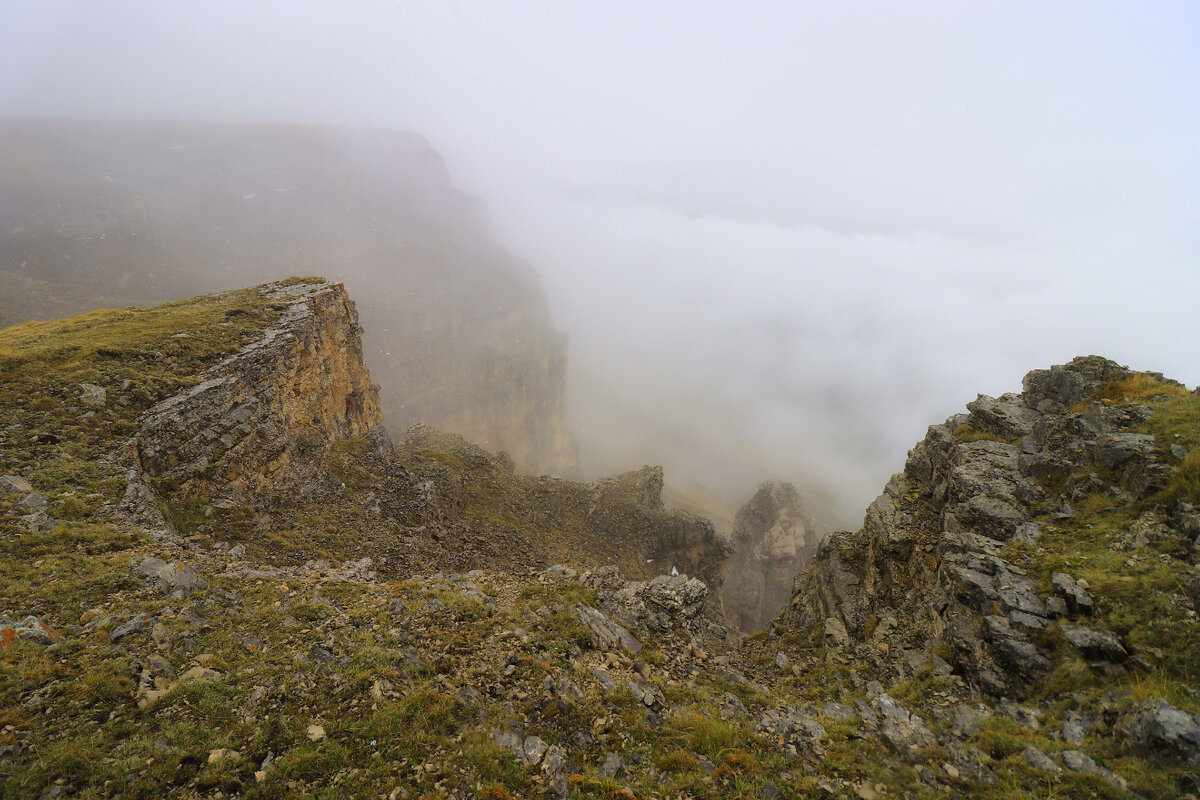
(393, 700)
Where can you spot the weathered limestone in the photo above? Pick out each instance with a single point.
(266, 411)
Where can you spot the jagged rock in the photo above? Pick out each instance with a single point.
(1076, 597)
(607, 633)
(660, 604)
(1095, 644)
(1161, 731)
(773, 539)
(904, 732)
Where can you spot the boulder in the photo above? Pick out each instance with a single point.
(1161, 731)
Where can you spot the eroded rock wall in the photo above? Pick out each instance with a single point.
(773, 539)
(926, 572)
(263, 416)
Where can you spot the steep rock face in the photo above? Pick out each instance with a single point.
(926, 573)
(264, 415)
(773, 539)
(459, 333)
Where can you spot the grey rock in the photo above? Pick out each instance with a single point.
(32, 503)
(1006, 417)
(14, 484)
(1039, 760)
(171, 577)
(533, 748)
(604, 679)
(238, 551)
(793, 727)
(613, 767)
(1077, 761)
(607, 632)
(646, 693)
(136, 623)
(1160, 730)
(1077, 598)
(967, 721)
(1095, 643)
(902, 731)
(1074, 727)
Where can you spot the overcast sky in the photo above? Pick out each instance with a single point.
(784, 237)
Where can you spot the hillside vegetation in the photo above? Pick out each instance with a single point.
(411, 619)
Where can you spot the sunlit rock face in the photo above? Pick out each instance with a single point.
(457, 330)
(773, 539)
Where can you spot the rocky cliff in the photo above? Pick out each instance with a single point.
(773, 539)
(263, 417)
(458, 332)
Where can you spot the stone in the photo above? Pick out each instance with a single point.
(607, 633)
(1161, 731)
(14, 484)
(93, 395)
(173, 577)
(1039, 760)
(1076, 597)
(1077, 761)
(315, 733)
(136, 623)
(533, 748)
(32, 503)
(902, 731)
(30, 628)
(1095, 644)
(613, 767)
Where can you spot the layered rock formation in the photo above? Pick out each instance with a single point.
(773, 539)
(458, 330)
(932, 571)
(267, 414)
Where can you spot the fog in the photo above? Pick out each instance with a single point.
(782, 238)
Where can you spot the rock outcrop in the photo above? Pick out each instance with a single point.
(773, 539)
(264, 417)
(928, 570)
